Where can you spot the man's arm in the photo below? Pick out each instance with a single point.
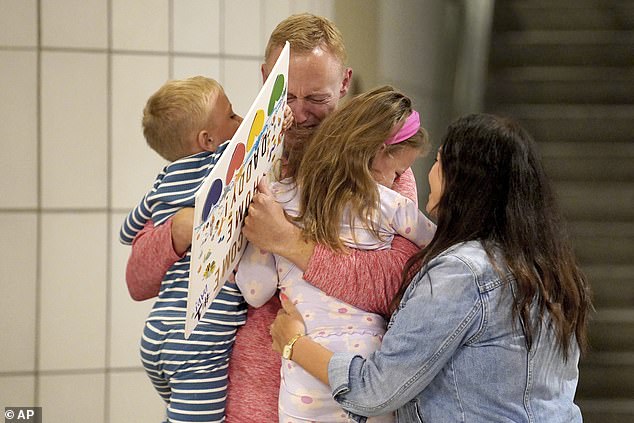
(154, 251)
(365, 279)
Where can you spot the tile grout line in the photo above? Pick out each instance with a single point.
(109, 171)
(38, 210)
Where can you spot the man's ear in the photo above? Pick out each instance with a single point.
(345, 84)
(205, 141)
(265, 72)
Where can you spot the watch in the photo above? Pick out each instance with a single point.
(288, 348)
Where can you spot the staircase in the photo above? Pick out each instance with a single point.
(565, 69)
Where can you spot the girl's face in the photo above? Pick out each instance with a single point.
(435, 186)
(386, 167)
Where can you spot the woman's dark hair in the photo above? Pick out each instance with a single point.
(495, 191)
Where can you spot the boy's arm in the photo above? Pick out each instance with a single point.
(154, 250)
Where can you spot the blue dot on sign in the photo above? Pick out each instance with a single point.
(212, 198)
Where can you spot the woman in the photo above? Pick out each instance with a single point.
(491, 320)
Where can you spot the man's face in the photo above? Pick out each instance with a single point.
(316, 82)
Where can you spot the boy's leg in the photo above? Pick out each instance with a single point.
(151, 342)
(197, 371)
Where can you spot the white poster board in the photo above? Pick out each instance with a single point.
(224, 197)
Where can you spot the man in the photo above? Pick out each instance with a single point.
(318, 78)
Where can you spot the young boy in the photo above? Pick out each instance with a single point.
(188, 122)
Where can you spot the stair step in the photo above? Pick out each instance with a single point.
(603, 409)
(591, 161)
(606, 375)
(574, 123)
(608, 242)
(596, 201)
(612, 285)
(561, 48)
(532, 15)
(561, 84)
(612, 330)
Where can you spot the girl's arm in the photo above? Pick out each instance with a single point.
(256, 276)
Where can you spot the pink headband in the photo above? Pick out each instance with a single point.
(409, 128)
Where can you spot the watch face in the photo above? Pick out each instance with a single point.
(286, 352)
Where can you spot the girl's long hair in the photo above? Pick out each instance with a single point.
(335, 167)
(495, 191)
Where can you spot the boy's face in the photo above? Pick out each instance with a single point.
(223, 122)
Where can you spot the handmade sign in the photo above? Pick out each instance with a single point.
(225, 195)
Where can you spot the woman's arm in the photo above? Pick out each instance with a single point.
(154, 250)
(414, 349)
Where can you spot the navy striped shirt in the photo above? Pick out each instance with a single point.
(175, 187)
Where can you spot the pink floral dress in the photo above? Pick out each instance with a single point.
(331, 322)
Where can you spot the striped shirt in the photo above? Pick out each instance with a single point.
(174, 188)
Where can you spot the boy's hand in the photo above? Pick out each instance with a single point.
(288, 118)
(182, 228)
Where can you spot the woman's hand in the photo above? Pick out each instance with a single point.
(288, 323)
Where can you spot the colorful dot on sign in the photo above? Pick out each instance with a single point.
(236, 161)
(212, 198)
(256, 128)
(306, 399)
(343, 310)
(276, 94)
(408, 230)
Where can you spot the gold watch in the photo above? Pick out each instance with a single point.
(288, 348)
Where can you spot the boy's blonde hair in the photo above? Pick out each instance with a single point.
(304, 32)
(175, 114)
(335, 170)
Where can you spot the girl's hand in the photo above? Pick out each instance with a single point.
(288, 323)
(288, 118)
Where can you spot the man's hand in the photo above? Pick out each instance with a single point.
(267, 226)
(182, 228)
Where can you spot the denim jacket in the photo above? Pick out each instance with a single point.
(452, 353)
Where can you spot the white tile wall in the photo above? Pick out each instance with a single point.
(18, 23)
(18, 131)
(141, 25)
(242, 33)
(85, 27)
(74, 129)
(184, 67)
(17, 390)
(197, 26)
(147, 405)
(18, 311)
(73, 397)
(73, 291)
(134, 165)
(74, 77)
(126, 315)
